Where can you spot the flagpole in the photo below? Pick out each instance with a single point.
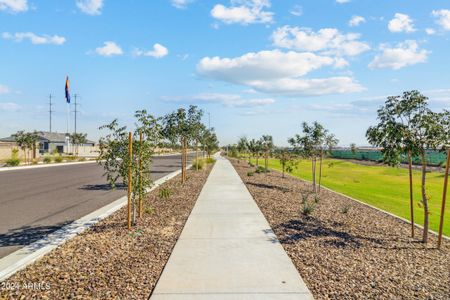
(68, 122)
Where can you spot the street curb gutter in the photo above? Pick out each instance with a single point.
(25, 256)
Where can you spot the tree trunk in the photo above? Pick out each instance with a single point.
(185, 160)
(320, 170)
(266, 162)
(411, 196)
(444, 198)
(424, 198)
(314, 173)
(182, 160)
(196, 156)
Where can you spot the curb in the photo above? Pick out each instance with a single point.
(25, 256)
(41, 165)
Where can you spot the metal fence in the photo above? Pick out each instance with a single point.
(433, 157)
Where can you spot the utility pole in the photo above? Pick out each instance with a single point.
(50, 110)
(76, 110)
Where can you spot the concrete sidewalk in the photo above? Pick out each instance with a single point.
(227, 249)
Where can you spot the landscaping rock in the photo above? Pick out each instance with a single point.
(108, 261)
(360, 254)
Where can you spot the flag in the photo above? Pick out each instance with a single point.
(67, 90)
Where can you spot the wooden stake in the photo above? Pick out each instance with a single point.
(130, 184)
(444, 198)
(411, 196)
(140, 175)
(320, 170)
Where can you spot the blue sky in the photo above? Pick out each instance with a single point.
(257, 66)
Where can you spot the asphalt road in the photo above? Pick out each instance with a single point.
(36, 202)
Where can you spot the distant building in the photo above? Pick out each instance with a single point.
(50, 142)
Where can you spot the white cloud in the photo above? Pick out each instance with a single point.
(158, 51)
(356, 21)
(328, 40)
(342, 1)
(109, 49)
(243, 12)
(90, 7)
(14, 6)
(401, 23)
(277, 72)
(430, 31)
(228, 100)
(309, 87)
(443, 18)
(297, 10)
(181, 4)
(4, 89)
(34, 38)
(400, 56)
(263, 65)
(9, 106)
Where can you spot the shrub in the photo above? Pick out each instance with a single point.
(316, 198)
(70, 158)
(250, 173)
(164, 193)
(82, 159)
(58, 159)
(261, 169)
(47, 159)
(149, 210)
(199, 164)
(35, 161)
(210, 160)
(14, 160)
(305, 197)
(345, 209)
(308, 208)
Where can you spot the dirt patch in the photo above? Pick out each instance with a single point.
(108, 261)
(346, 250)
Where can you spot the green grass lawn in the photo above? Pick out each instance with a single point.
(381, 186)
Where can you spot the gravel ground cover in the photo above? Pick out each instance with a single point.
(108, 261)
(346, 250)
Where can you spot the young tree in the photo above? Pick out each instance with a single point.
(266, 147)
(259, 150)
(26, 141)
(182, 126)
(353, 148)
(287, 159)
(211, 142)
(328, 143)
(21, 141)
(446, 147)
(115, 159)
(242, 145)
(78, 139)
(309, 144)
(407, 125)
(252, 148)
